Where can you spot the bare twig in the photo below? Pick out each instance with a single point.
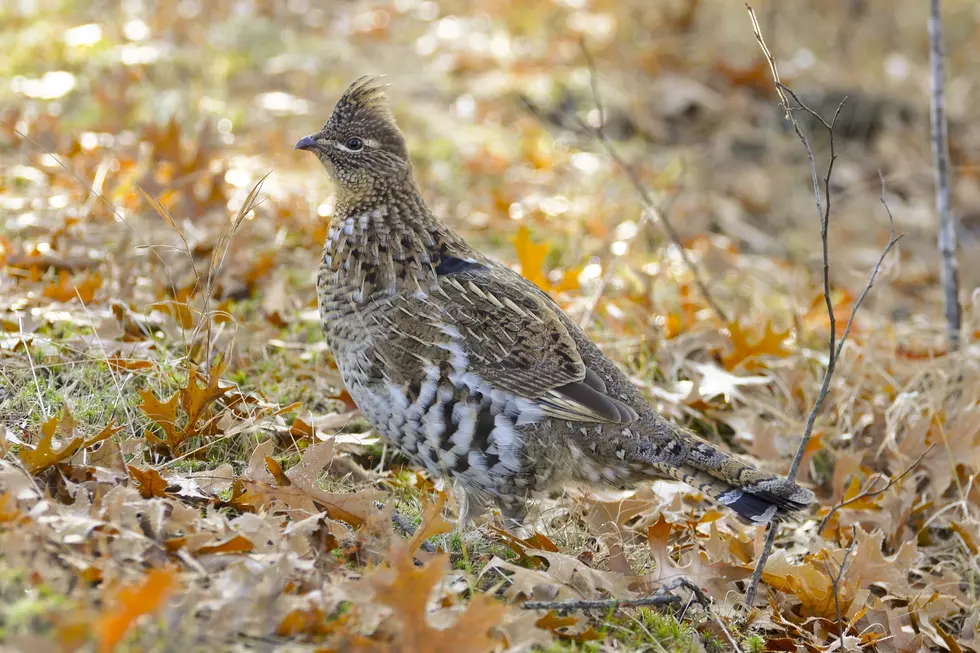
(870, 492)
(661, 597)
(835, 353)
(940, 154)
(603, 604)
(407, 527)
(650, 209)
(823, 211)
(835, 583)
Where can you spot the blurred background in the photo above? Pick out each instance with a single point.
(193, 102)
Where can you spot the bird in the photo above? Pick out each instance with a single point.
(472, 371)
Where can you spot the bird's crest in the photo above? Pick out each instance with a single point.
(364, 101)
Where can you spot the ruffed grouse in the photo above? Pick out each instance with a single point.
(470, 369)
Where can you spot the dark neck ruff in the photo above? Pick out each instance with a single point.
(387, 241)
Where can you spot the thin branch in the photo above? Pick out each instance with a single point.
(940, 154)
(823, 211)
(835, 583)
(602, 604)
(835, 354)
(661, 597)
(870, 492)
(753, 587)
(650, 207)
(407, 527)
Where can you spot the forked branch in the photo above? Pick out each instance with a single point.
(823, 211)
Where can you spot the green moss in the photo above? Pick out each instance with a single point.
(664, 630)
(647, 630)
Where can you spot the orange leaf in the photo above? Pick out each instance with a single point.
(194, 398)
(149, 482)
(552, 622)
(181, 312)
(107, 432)
(237, 544)
(817, 318)
(569, 280)
(222, 312)
(432, 523)
(123, 364)
(131, 603)
(301, 429)
(91, 575)
(11, 513)
(66, 290)
(853, 491)
(43, 455)
(309, 622)
(949, 640)
(531, 258)
(345, 398)
(755, 76)
(525, 548)
(261, 267)
(406, 589)
(770, 344)
(164, 413)
(968, 538)
(658, 535)
(276, 470)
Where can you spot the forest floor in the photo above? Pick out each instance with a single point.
(181, 468)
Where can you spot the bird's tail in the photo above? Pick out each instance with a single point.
(758, 504)
(755, 495)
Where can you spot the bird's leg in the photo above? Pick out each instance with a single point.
(513, 513)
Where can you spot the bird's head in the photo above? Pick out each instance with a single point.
(360, 145)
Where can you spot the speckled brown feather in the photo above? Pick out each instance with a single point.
(470, 369)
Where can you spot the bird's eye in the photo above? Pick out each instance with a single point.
(355, 144)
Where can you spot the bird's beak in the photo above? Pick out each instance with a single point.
(306, 143)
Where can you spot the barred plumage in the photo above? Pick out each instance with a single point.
(470, 369)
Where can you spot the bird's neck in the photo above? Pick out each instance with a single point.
(386, 240)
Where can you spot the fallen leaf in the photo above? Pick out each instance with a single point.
(235, 544)
(531, 256)
(181, 312)
(407, 590)
(163, 413)
(432, 524)
(130, 603)
(67, 289)
(149, 482)
(43, 455)
(259, 488)
(744, 351)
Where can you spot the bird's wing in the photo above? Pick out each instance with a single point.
(486, 329)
